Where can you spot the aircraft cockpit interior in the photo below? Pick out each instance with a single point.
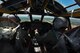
(39, 26)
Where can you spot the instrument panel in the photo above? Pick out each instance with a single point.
(42, 27)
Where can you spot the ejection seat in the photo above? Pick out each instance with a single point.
(8, 26)
(58, 31)
(54, 39)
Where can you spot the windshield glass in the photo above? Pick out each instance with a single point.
(75, 22)
(25, 17)
(66, 3)
(48, 19)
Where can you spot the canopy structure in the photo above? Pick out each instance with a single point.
(52, 7)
